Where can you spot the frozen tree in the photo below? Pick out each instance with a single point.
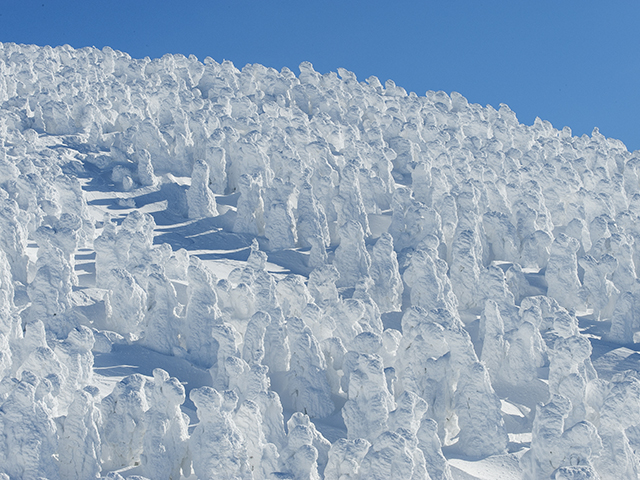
(161, 322)
(63, 234)
(264, 288)
(280, 225)
(421, 221)
(624, 320)
(123, 426)
(250, 212)
(318, 252)
(367, 410)
(216, 445)
(321, 444)
(277, 354)
(242, 304)
(570, 370)
(146, 174)
(311, 218)
(225, 337)
(322, 285)
(348, 203)
(261, 456)
(428, 441)
(202, 313)
(30, 437)
(624, 277)
(50, 291)
(517, 283)
(494, 345)
(494, 286)
(351, 258)
(75, 353)
(598, 291)
(562, 272)
(388, 287)
(548, 427)
(345, 459)
(501, 236)
(347, 316)
(127, 303)
(293, 295)
(618, 411)
(135, 239)
(177, 265)
(577, 229)
(10, 324)
(215, 156)
(553, 446)
(299, 457)
(80, 444)
(251, 383)
(526, 353)
(412, 221)
(200, 198)
(371, 320)
(5, 356)
(253, 348)
(424, 366)
(482, 431)
(165, 443)
(458, 339)
(13, 239)
(108, 256)
(334, 354)
(307, 385)
(33, 338)
(465, 268)
(387, 457)
(427, 278)
(536, 250)
(43, 363)
(406, 418)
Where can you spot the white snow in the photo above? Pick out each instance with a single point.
(219, 273)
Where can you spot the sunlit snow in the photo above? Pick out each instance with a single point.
(213, 273)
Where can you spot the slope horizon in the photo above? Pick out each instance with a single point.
(573, 63)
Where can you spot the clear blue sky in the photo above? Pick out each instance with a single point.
(574, 63)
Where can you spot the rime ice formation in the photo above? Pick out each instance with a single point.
(554, 448)
(307, 383)
(367, 410)
(80, 437)
(200, 198)
(348, 281)
(562, 272)
(123, 422)
(164, 451)
(351, 257)
(30, 439)
(480, 420)
(201, 315)
(216, 444)
(345, 458)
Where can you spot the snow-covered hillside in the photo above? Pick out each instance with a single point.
(213, 273)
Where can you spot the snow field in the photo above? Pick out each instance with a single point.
(217, 273)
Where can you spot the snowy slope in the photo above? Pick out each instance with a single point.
(217, 273)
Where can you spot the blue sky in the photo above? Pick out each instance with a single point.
(574, 63)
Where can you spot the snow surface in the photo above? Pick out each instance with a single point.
(216, 273)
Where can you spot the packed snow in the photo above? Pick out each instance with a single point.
(213, 273)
